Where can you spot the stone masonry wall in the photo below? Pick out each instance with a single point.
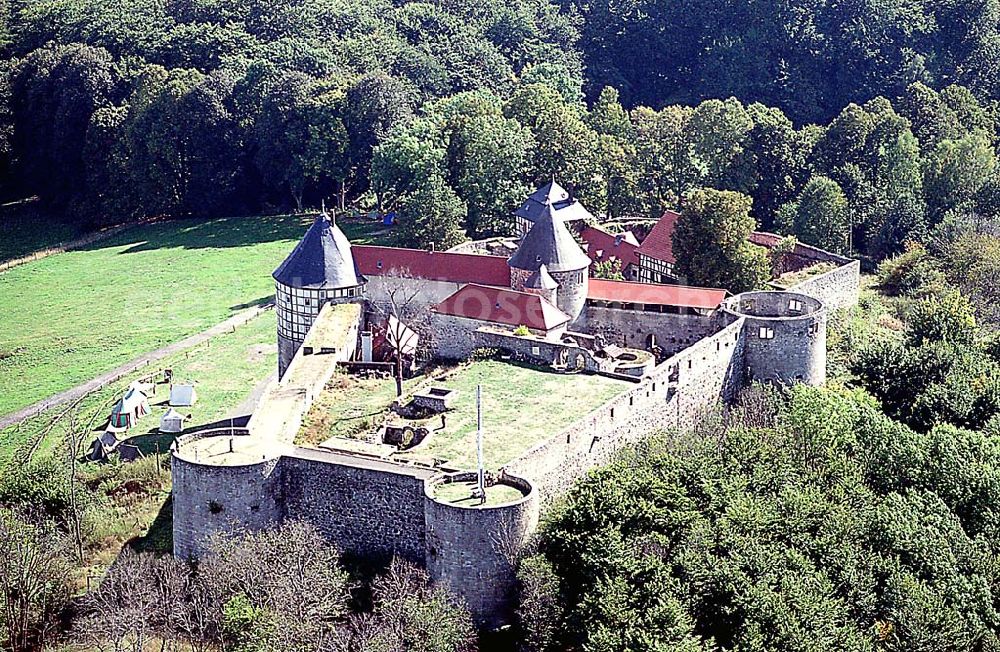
(473, 550)
(366, 507)
(837, 289)
(632, 328)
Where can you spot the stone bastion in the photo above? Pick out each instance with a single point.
(785, 335)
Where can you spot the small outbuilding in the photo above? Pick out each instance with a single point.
(128, 410)
(182, 395)
(172, 421)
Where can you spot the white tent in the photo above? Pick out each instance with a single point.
(183, 395)
(129, 409)
(172, 421)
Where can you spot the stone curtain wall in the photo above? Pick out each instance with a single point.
(677, 392)
(370, 509)
(837, 289)
(632, 328)
(474, 550)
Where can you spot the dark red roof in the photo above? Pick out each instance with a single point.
(659, 243)
(602, 245)
(432, 265)
(503, 306)
(681, 296)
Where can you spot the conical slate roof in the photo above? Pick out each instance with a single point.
(322, 259)
(549, 243)
(552, 194)
(540, 279)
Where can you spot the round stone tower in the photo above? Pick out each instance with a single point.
(550, 243)
(540, 282)
(319, 270)
(785, 335)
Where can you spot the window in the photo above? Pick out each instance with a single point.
(814, 328)
(766, 333)
(795, 305)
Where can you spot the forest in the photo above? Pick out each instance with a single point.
(853, 126)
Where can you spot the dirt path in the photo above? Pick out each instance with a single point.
(130, 367)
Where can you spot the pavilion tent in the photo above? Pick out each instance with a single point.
(172, 421)
(129, 409)
(183, 395)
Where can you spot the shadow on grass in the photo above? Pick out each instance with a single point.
(159, 538)
(218, 233)
(263, 301)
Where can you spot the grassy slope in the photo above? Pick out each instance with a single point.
(225, 370)
(72, 316)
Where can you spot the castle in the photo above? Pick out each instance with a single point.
(680, 349)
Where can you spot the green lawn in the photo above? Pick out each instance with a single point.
(69, 317)
(522, 407)
(225, 371)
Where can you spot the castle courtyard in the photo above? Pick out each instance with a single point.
(523, 406)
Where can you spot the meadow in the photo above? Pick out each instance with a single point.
(69, 317)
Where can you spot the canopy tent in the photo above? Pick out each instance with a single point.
(183, 395)
(129, 409)
(172, 421)
(102, 446)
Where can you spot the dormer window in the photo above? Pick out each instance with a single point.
(794, 305)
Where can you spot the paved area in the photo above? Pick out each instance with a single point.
(130, 367)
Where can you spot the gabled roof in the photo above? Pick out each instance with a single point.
(567, 208)
(540, 279)
(549, 243)
(503, 306)
(680, 296)
(602, 246)
(322, 259)
(659, 243)
(432, 265)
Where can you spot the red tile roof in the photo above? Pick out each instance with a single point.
(432, 265)
(502, 306)
(659, 243)
(602, 245)
(655, 295)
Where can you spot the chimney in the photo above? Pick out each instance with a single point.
(432, 247)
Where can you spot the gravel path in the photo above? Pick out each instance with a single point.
(130, 367)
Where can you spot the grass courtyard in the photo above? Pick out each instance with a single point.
(69, 317)
(522, 406)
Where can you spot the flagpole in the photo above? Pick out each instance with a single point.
(479, 444)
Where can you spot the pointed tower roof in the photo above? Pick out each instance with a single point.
(540, 279)
(549, 243)
(552, 194)
(322, 259)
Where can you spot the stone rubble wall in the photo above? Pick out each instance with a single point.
(209, 499)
